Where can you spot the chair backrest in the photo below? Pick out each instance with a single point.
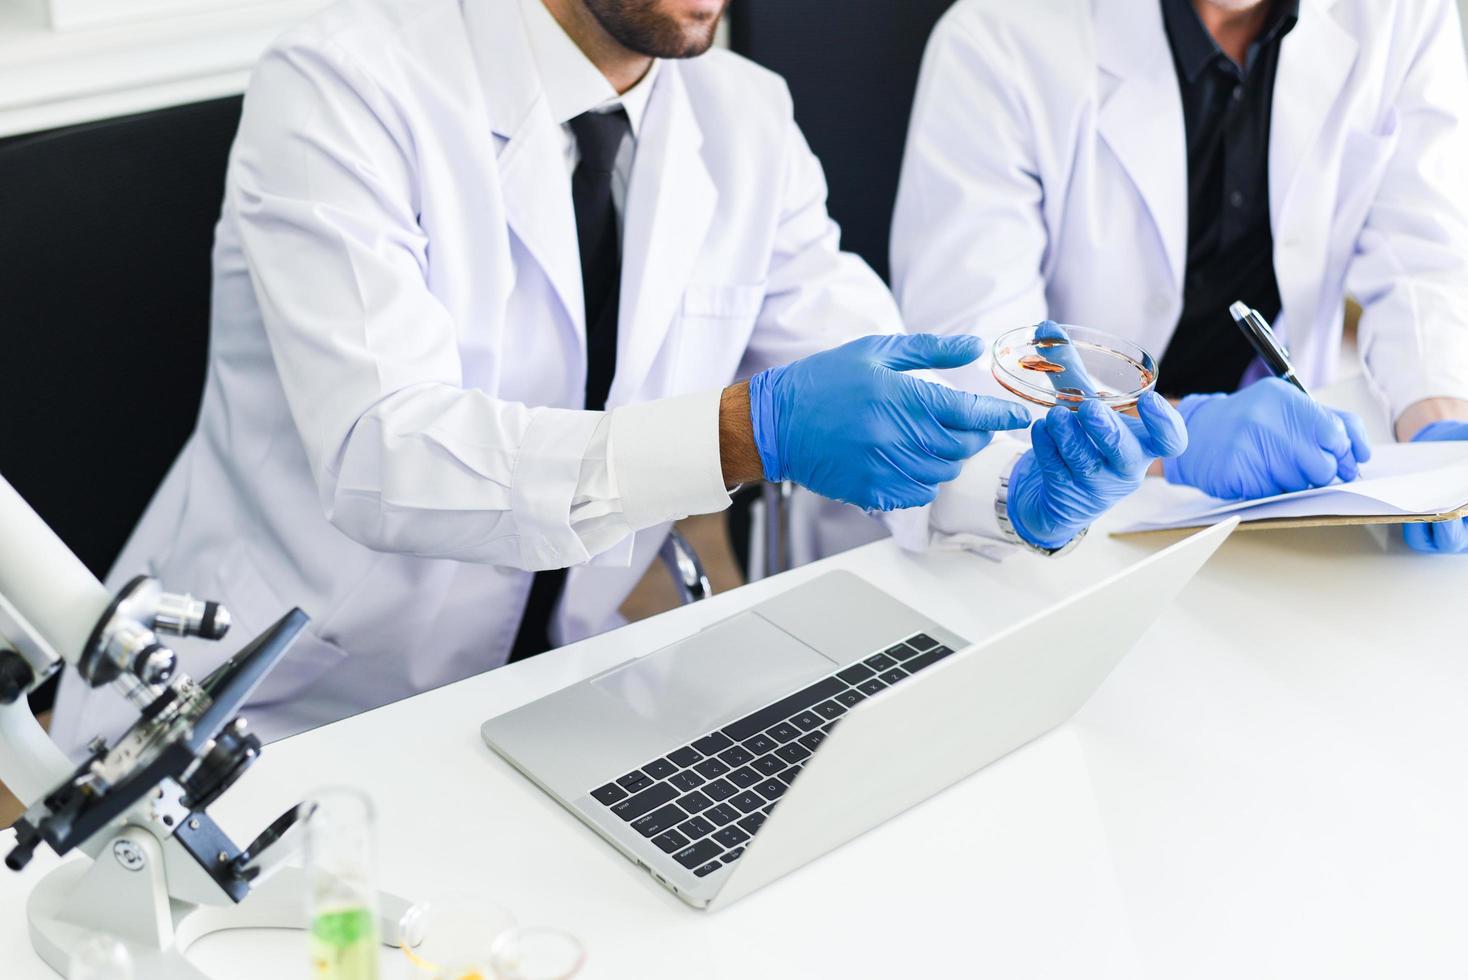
(105, 237)
(852, 68)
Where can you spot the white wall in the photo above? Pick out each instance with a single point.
(140, 54)
(147, 60)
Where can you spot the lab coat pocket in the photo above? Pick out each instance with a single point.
(714, 325)
(255, 606)
(1365, 158)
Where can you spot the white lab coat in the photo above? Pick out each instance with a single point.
(389, 435)
(1046, 176)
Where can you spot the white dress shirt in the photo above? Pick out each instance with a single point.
(573, 86)
(603, 512)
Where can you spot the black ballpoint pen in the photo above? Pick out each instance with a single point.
(1265, 344)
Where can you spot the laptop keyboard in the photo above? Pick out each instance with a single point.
(703, 802)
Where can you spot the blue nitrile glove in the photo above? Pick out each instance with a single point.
(1084, 462)
(1439, 537)
(1269, 438)
(848, 425)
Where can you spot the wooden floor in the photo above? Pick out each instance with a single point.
(655, 594)
(708, 536)
(10, 808)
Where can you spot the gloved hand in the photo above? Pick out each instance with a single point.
(1269, 438)
(1439, 537)
(1083, 462)
(848, 425)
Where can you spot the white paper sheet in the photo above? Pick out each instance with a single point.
(1402, 480)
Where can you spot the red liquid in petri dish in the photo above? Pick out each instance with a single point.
(1034, 362)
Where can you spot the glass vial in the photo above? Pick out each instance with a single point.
(341, 883)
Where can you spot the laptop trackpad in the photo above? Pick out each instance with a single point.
(715, 676)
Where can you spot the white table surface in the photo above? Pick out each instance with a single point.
(1270, 785)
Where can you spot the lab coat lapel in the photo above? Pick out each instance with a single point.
(1314, 61)
(670, 205)
(537, 194)
(1141, 117)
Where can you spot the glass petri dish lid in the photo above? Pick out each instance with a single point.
(1057, 364)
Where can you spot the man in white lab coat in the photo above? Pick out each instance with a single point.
(484, 273)
(1138, 165)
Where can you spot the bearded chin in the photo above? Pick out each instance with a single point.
(638, 25)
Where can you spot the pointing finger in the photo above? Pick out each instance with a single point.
(964, 410)
(911, 352)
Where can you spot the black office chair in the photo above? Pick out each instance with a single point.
(105, 234)
(852, 69)
(104, 311)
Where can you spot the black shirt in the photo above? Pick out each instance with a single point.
(1226, 112)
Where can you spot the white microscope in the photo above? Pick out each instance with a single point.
(159, 873)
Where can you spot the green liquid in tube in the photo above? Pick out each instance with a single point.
(344, 945)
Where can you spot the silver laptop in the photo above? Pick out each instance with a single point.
(686, 760)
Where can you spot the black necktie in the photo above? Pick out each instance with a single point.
(599, 136)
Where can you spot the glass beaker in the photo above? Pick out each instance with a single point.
(341, 880)
(453, 937)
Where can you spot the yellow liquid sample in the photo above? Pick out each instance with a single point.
(344, 945)
(428, 969)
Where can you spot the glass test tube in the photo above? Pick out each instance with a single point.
(341, 882)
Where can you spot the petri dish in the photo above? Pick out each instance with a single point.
(453, 937)
(1057, 364)
(538, 953)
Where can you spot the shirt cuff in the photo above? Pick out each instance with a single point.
(963, 518)
(665, 459)
(543, 487)
(596, 511)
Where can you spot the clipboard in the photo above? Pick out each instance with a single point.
(1403, 483)
(1287, 523)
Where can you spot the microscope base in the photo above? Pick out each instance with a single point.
(84, 898)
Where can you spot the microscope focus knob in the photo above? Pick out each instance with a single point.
(16, 676)
(26, 842)
(155, 664)
(216, 621)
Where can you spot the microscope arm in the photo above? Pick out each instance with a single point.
(30, 763)
(62, 601)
